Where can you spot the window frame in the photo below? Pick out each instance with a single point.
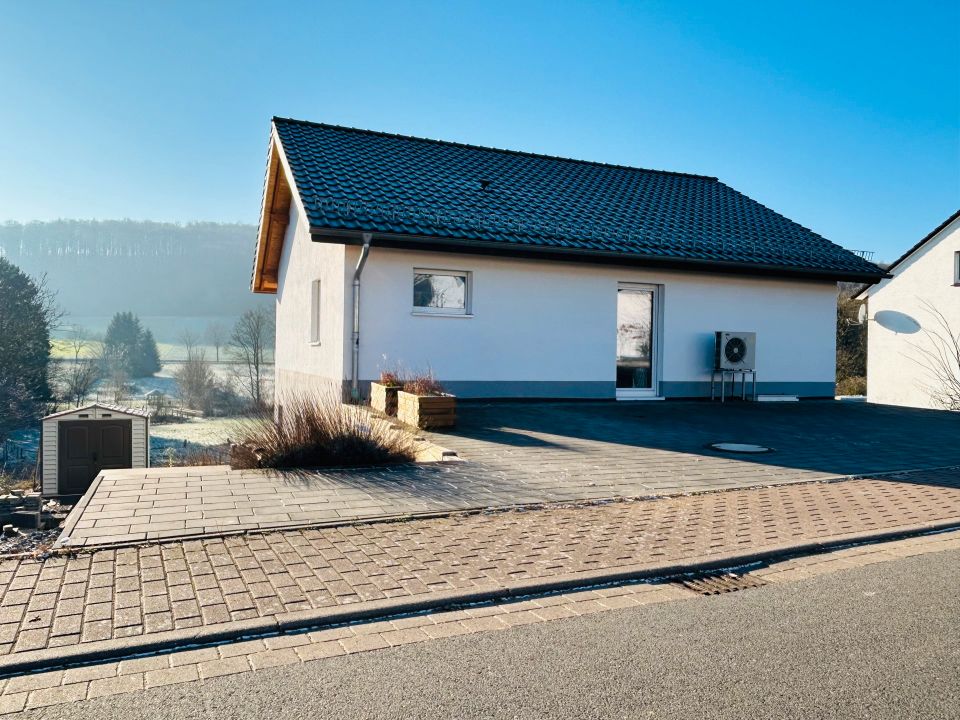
(465, 312)
(956, 268)
(316, 308)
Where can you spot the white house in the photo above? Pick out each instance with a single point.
(910, 316)
(511, 274)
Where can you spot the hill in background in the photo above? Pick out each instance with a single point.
(173, 276)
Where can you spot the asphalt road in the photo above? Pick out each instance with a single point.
(877, 642)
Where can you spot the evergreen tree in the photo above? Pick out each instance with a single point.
(147, 355)
(129, 347)
(27, 314)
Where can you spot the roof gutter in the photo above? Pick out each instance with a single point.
(355, 364)
(462, 245)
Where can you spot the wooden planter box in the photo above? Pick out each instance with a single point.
(383, 398)
(427, 411)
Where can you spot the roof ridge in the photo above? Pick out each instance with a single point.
(507, 151)
(926, 238)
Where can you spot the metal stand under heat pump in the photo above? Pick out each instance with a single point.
(733, 384)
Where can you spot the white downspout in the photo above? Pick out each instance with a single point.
(355, 365)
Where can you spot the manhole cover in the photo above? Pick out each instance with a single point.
(739, 447)
(717, 584)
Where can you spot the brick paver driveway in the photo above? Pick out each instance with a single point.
(523, 453)
(111, 594)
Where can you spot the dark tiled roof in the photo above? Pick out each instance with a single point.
(361, 180)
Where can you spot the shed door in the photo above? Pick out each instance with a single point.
(89, 446)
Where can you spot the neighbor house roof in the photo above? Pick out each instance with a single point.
(926, 238)
(921, 243)
(413, 192)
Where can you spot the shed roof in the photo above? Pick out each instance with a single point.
(102, 406)
(459, 196)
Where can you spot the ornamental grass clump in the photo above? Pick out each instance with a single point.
(390, 379)
(424, 385)
(311, 431)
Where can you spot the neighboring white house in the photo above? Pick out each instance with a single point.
(511, 274)
(909, 316)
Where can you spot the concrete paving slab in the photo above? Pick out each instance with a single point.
(525, 453)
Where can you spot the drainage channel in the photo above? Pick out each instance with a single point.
(719, 583)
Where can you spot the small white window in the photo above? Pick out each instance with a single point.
(315, 303)
(441, 292)
(956, 268)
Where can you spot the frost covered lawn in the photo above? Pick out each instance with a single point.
(176, 441)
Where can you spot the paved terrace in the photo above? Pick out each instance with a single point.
(114, 594)
(528, 453)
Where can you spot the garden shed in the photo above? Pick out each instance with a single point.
(77, 444)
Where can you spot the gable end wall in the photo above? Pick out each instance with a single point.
(900, 324)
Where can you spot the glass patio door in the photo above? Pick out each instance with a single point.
(636, 341)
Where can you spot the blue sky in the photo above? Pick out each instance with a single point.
(843, 116)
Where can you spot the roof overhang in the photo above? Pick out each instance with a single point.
(278, 195)
(584, 255)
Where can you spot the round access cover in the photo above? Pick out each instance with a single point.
(740, 447)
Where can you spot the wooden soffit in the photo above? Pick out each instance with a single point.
(274, 218)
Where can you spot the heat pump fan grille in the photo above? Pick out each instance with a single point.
(735, 350)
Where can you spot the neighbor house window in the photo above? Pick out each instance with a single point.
(956, 268)
(441, 292)
(315, 312)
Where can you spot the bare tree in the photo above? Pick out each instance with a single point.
(941, 357)
(112, 366)
(118, 383)
(85, 370)
(190, 341)
(217, 335)
(250, 340)
(196, 381)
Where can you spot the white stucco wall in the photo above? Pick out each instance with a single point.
(897, 373)
(300, 363)
(551, 322)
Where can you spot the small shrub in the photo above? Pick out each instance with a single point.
(424, 385)
(19, 477)
(319, 431)
(856, 385)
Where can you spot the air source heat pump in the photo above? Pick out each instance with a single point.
(736, 351)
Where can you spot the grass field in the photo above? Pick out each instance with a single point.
(198, 431)
(62, 349)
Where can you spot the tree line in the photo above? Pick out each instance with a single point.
(159, 269)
